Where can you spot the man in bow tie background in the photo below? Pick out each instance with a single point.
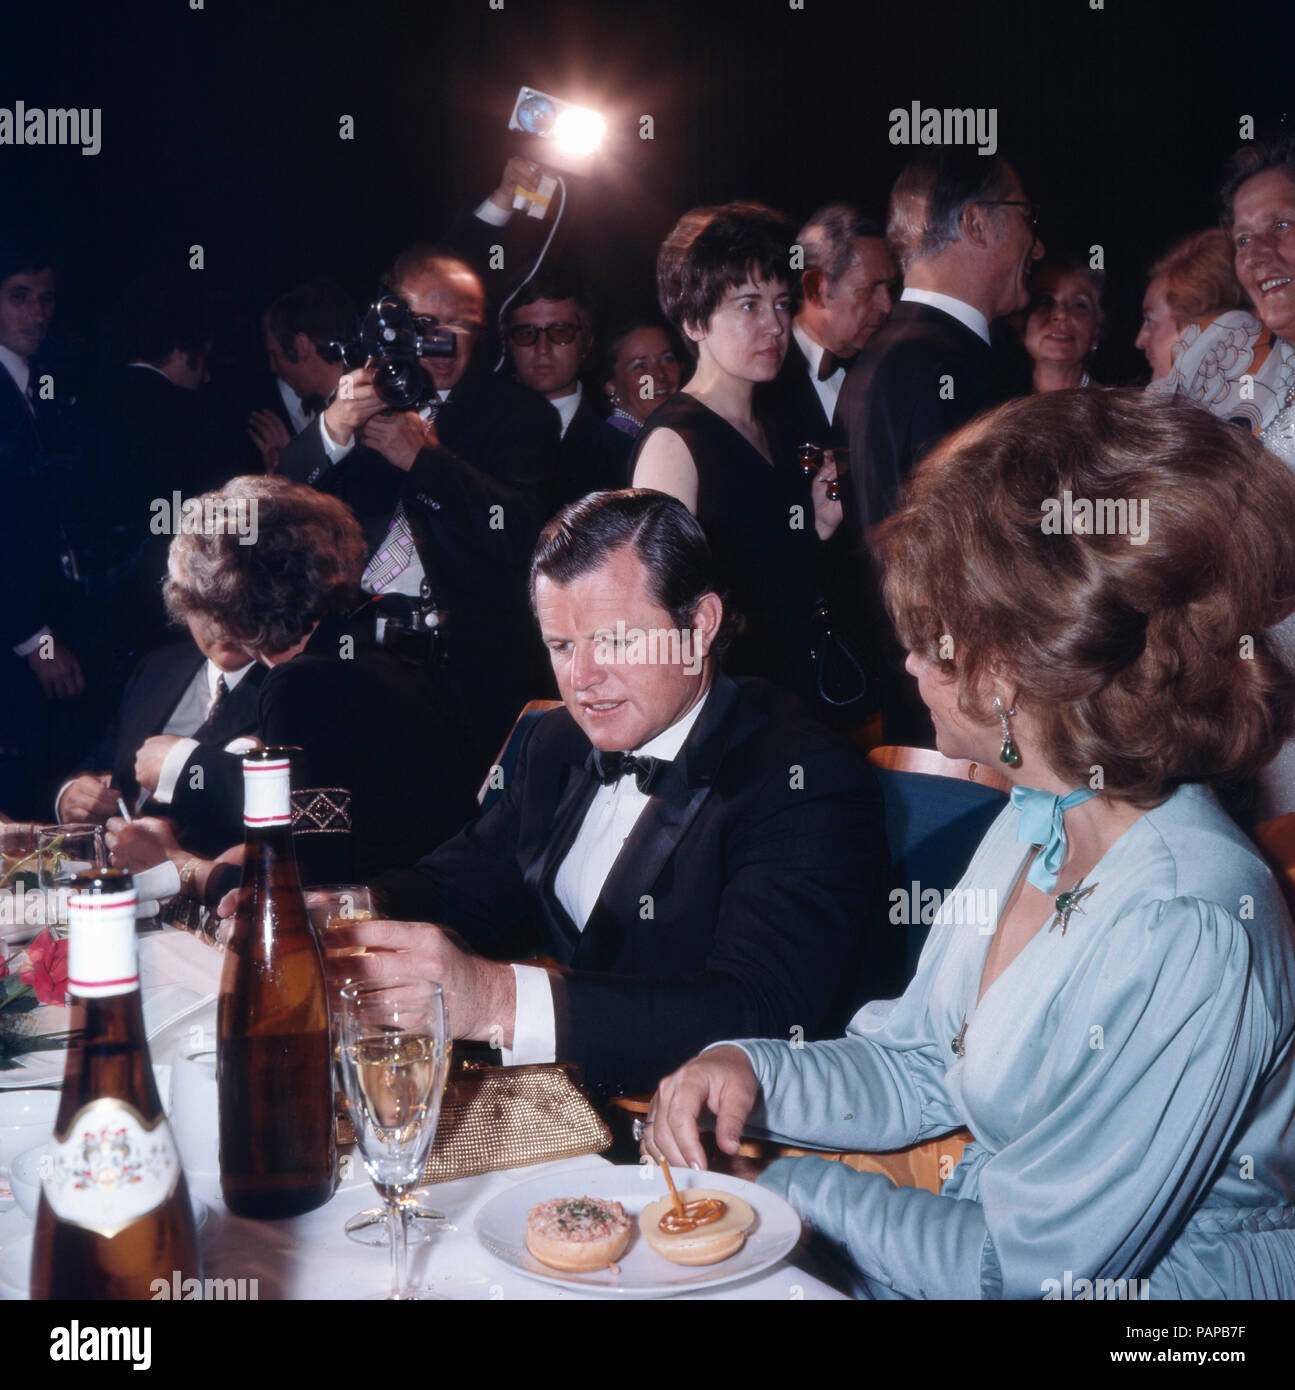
(846, 296)
(734, 888)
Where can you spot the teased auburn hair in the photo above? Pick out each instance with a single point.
(1133, 658)
(1199, 274)
(304, 564)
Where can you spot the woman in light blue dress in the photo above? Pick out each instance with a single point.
(1083, 580)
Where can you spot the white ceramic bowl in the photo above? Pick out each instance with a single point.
(26, 1118)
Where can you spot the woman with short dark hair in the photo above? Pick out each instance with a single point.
(724, 280)
(1107, 999)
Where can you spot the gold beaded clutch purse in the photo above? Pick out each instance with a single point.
(508, 1117)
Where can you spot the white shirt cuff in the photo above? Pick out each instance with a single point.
(336, 452)
(26, 648)
(58, 797)
(172, 766)
(493, 213)
(161, 881)
(534, 1026)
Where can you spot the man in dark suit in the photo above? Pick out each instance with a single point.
(691, 853)
(451, 495)
(39, 601)
(300, 328)
(549, 332)
(846, 290)
(377, 776)
(198, 693)
(963, 232)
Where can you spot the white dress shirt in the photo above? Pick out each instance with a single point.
(966, 314)
(612, 815)
(18, 369)
(828, 390)
(298, 416)
(566, 407)
(190, 713)
(410, 578)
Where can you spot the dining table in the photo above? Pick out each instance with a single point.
(309, 1256)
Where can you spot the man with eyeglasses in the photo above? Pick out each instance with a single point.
(964, 234)
(548, 329)
(452, 495)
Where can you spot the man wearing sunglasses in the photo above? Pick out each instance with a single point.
(548, 330)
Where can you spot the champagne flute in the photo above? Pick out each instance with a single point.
(330, 907)
(395, 1058)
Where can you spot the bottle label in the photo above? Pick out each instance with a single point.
(111, 1169)
(101, 953)
(267, 793)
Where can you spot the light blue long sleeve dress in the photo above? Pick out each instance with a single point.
(1130, 1086)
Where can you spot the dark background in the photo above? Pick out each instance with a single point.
(220, 127)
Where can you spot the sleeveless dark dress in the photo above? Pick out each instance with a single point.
(766, 550)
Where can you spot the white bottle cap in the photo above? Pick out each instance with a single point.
(102, 958)
(267, 791)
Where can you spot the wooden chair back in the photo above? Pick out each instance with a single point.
(935, 764)
(1276, 838)
(507, 757)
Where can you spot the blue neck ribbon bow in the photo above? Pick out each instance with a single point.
(1042, 823)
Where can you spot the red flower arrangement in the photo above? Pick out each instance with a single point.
(46, 968)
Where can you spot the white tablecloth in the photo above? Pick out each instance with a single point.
(309, 1257)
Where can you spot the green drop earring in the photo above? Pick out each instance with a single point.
(1007, 753)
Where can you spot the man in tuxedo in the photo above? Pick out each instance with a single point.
(39, 599)
(201, 692)
(549, 332)
(724, 870)
(300, 328)
(845, 298)
(451, 495)
(963, 232)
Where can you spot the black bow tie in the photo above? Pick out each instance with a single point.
(828, 363)
(611, 767)
(312, 405)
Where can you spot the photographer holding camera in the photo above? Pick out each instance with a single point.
(450, 470)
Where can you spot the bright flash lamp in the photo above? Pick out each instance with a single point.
(579, 130)
(567, 130)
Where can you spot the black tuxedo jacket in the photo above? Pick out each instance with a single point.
(790, 398)
(892, 404)
(31, 572)
(738, 906)
(594, 455)
(475, 506)
(378, 778)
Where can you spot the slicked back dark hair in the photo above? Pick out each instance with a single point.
(19, 257)
(659, 529)
(715, 249)
(319, 308)
(1276, 151)
(554, 285)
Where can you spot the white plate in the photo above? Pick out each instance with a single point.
(15, 1252)
(501, 1228)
